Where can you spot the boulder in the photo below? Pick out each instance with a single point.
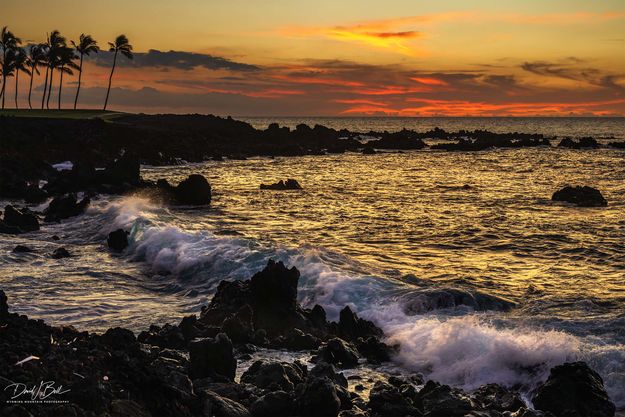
(318, 397)
(581, 196)
(124, 170)
(168, 336)
(494, 397)
(574, 390)
(65, 207)
(193, 191)
(442, 401)
(277, 403)
(386, 400)
(117, 240)
(352, 327)
(212, 356)
(23, 219)
(119, 338)
(338, 352)
(373, 349)
(289, 184)
(216, 405)
(60, 253)
(275, 376)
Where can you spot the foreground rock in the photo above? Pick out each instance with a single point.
(289, 184)
(16, 221)
(581, 196)
(574, 390)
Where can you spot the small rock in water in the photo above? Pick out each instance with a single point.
(118, 240)
(581, 196)
(289, 184)
(20, 220)
(60, 253)
(194, 191)
(22, 249)
(65, 207)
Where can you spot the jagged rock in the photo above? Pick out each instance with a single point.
(318, 397)
(277, 403)
(60, 253)
(442, 401)
(386, 400)
(351, 327)
(212, 356)
(168, 336)
(23, 219)
(275, 375)
(494, 397)
(373, 349)
(118, 240)
(581, 196)
(289, 184)
(119, 338)
(65, 207)
(574, 390)
(298, 340)
(240, 326)
(585, 142)
(34, 195)
(338, 352)
(124, 170)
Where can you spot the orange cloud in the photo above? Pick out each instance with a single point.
(429, 81)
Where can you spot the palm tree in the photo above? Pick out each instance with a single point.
(122, 46)
(8, 42)
(20, 63)
(86, 45)
(8, 67)
(66, 57)
(36, 58)
(56, 42)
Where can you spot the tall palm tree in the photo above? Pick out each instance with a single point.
(20, 63)
(66, 57)
(8, 68)
(86, 45)
(36, 58)
(8, 42)
(56, 42)
(122, 46)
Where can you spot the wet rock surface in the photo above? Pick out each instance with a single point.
(289, 184)
(580, 196)
(117, 240)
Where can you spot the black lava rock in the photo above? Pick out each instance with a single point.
(574, 390)
(65, 207)
(289, 184)
(60, 253)
(581, 196)
(118, 240)
(193, 191)
(20, 220)
(212, 356)
(22, 249)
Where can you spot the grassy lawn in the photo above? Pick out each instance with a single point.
(62, 114)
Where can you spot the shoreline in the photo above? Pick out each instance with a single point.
(190, 368)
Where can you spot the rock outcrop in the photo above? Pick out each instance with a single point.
(580, 196)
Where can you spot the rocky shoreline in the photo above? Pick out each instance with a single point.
(189, 369)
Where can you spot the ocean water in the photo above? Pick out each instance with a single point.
(461, 258)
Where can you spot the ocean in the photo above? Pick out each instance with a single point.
(461, 257)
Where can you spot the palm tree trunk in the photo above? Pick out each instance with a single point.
(110, 80)
(79, 80)
(61, 86)
(45, 87)
(50, 88)
(17, 76)
(4, 84)
(30, 87)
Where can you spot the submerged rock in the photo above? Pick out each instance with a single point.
(22, 249)
(60, 253)
(574, 390)
(117, 240)
(289, 184)
(581, 196)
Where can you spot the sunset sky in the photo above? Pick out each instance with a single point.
(344, 58)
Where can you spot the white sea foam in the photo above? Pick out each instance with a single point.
(450, 346)
(63, 166)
